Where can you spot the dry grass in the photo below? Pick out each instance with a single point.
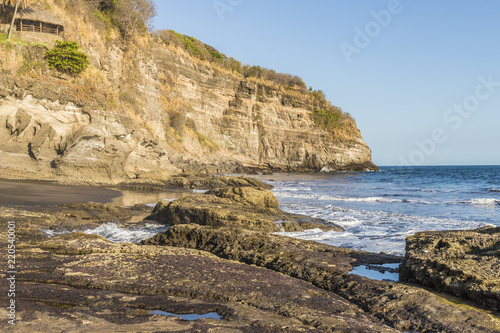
(94, 78)
(94, 81)
(79, 25)
(198, 62)
(206, 142)
(11, 60)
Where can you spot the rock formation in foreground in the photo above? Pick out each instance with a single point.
(235, 207)
(464, 263)
(232, 265)
(216, 223)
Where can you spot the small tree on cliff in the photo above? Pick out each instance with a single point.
(67, 58)
(133, 15)
(16, 4)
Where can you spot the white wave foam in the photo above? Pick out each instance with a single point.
(118, 234)
(281, 194)
(373, 231)
(295, 189)
(52, 233)
(481, 202)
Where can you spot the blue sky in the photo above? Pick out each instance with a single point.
(421, 77)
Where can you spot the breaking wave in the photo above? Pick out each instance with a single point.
(117, 233)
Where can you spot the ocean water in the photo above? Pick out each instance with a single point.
(379, 210)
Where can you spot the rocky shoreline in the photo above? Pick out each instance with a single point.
(220, 256)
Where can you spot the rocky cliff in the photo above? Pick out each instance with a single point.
(260, 124)
(149, 111)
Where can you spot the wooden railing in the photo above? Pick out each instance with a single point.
(39, 28)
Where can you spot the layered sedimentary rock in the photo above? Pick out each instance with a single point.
(464, 263)
(51, 127)
(258, 123)
(47, 132)
(235, 207)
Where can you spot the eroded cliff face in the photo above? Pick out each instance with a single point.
(49, 129)
(259, 124)
(48, 132)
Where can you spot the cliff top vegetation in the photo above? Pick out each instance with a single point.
(99, 24)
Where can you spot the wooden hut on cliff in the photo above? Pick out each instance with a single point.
(39, 21)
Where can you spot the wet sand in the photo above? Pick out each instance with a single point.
(45, 193)
(34, 193)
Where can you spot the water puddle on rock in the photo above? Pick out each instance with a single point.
(189, 317)
(130, 198)
(385, 272)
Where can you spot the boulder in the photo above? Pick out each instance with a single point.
(238, 208)
(248, 196)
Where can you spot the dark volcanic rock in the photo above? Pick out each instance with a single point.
(79, 282)
(94, 211)
(191, 181)
(294, 257)
(405, 307)
(464, 263)
(59, 308)
(213, 211)
(249, 294)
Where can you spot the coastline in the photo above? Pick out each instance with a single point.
(380, 210)
(326, 267)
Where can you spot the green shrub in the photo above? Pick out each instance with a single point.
(67, 58)
(327, 119)
(189, 42)
(271, 75)
(193, 46)
(217, 55)
(233, 65)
